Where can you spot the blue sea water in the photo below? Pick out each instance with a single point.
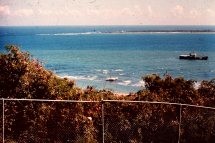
(90, 54)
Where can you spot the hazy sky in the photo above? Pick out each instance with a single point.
(107, 12)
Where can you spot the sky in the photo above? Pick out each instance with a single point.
(107, 12)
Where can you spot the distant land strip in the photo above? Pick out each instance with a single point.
(164, 31)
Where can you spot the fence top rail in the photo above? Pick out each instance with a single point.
(159, 102)
(102, 101)
(47, 100)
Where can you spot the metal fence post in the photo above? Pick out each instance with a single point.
(103, 124)
(3, 120)
(179, 126)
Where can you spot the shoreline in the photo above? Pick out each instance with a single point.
(115, 90)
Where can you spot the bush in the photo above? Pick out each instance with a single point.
(177, 90)
(24, 77)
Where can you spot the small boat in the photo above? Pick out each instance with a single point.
(111, 79)
(193, 56)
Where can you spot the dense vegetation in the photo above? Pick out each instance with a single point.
(21, 76)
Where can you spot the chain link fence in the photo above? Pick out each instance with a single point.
(141, 122)
(197, 124)
(1, 121)
(108, 121)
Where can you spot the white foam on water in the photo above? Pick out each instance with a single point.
(79, 77)
(105, 71)
(98, 70)
(68, 34)
(43, 34)
(118, 70)
(125, 83)
(121, 74)
(139, 84)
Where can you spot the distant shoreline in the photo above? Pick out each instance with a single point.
(104, 29)
(161, 32)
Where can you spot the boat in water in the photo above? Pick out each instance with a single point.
(111, 79)
(193, 56)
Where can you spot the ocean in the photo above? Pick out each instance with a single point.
(91, 54)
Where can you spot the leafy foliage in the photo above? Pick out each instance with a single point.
(177, 90)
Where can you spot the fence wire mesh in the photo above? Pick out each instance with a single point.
(197, 125)
(1, 120)
(27, 121)
(104, 122)
(140, 122)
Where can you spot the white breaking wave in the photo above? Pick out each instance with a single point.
(79, 77)
(139, 84)
(118, 70)
(105, 71)
(121, 74)
(68, 34)
(43, 34)
(125, 83)
(98, 70)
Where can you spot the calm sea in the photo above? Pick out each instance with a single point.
(90, 54)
